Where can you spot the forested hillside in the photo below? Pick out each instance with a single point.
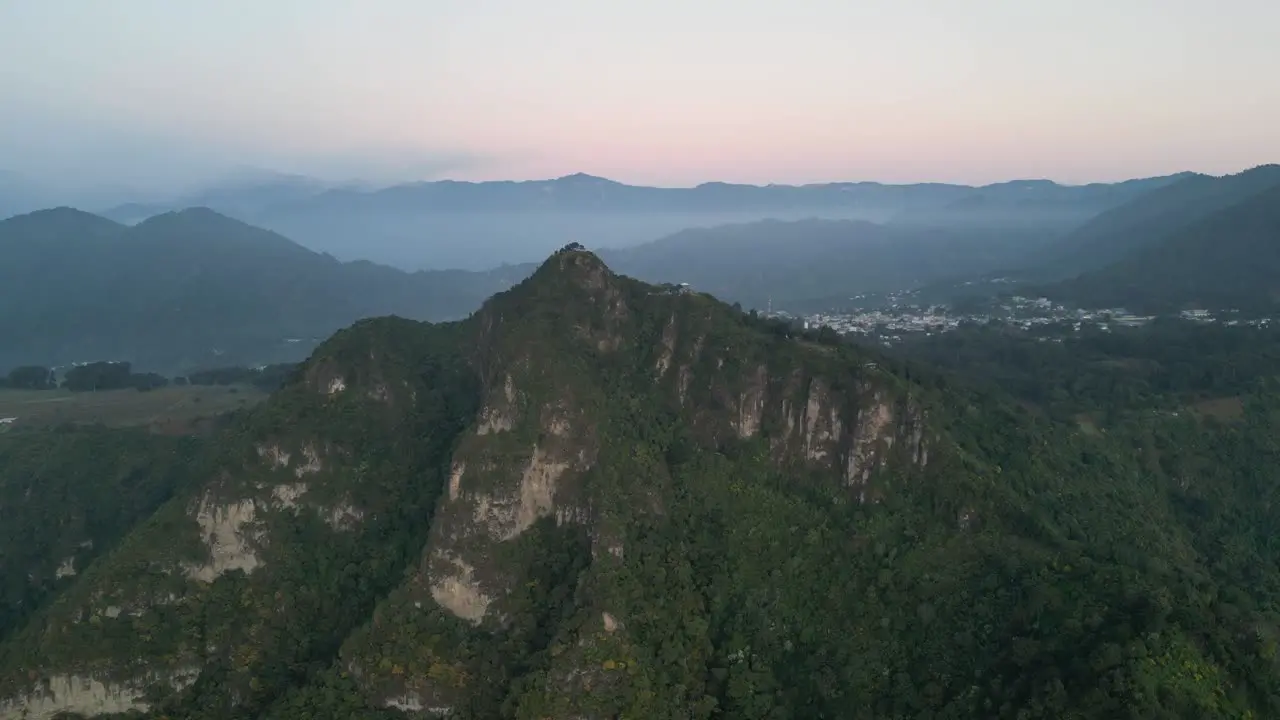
(1195, 405)
(1167, 365)
(808, 262)
(68, 496)
(1151, 218)
(598, 498)
(1228, 260)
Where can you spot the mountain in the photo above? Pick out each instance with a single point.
(1229, 259)
(1034, 204)
(194, 287)
(599, 498)
(451, 224)
(818, 264)
(584, 193)
(1150, 218)
(242, 194)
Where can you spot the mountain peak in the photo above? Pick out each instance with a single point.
(60, 222)
(194, 220)
(567, 277)
(584, 178)
(215, 231)
(60, 213)
(199, 214)
(574, 264)
(568, 281)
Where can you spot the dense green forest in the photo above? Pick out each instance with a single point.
(1170, 364)
(69, 495)
(598, 498)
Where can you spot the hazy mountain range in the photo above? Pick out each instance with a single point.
(197, 288)
(474, 225)
(1224, 259)
(1152, 217)
(1200, 241)
(806, 263)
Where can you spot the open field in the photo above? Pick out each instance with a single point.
(171, 409)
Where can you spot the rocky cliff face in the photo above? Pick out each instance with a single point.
(55, 695)
(522, 459)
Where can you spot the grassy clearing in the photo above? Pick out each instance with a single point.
(1225, 409)
(171, 409)
(1088, 424)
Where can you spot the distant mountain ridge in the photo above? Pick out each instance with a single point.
(196, 288)
(809, 264)
(245, 194)
(1150, 218)
(581, 192)
(468, 224)
(193, 288)
(1228, 259)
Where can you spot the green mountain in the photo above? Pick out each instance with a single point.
(193, 288)
(1150, 218)
(1230, 259)
(598, 498)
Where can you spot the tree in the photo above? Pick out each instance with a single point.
(828, 336)
(98, 376)
(31, 377)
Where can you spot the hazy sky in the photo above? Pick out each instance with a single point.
(654, 91)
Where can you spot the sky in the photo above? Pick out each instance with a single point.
(158, 93)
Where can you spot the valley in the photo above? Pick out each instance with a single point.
(167, 409)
